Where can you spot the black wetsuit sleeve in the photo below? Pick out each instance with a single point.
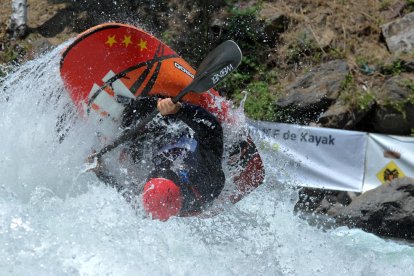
(108, 179)
(205, 125)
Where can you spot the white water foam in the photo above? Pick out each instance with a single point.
(57, 220)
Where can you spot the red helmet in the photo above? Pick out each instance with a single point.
(162, 198)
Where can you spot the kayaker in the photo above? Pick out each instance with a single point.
(186, 174)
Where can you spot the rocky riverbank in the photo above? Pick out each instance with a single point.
(325, 63)
(386, 210)
(336, 64)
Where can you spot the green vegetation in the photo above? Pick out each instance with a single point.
(259, 102)
(240, 26)
(294, 53)
(9, 54)
(2, 72)
(379, 21)
(15, 52)
(348, 83)
(302, 48)
(337, 53)
(353, 97)
(410, 4)
(385, 5)
(251, 76)
(401, 105)
(393, 68)
(166, 37)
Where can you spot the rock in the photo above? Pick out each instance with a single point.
(351, 195)
(218, 20)
(326, 37)
(397, 65)
(309, 199)
(396, 10)
(343, 198)
(399, 35)
(408, 65)
(395, 112)
(39, 47)
(342, 116)
(336, 208)
(332, 198)
(42, 46)
(324, 206)
(316, 89)
(387, 210)
(82, 22)
(337, 116)
(275, 22)
(320, 20)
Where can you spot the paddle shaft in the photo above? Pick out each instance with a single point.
(134, 131)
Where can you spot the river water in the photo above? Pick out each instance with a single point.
(57, 219)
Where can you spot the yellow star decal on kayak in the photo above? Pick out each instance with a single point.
(127, 40)
(111, 40)
(143, 45)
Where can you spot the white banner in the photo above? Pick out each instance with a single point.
(312, 157)
(388, 157)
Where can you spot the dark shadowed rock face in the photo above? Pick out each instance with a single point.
(395, 113)
(342, 116)
(387, 210)
(316, 89)
(337, 116)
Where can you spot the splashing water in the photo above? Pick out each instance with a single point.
(55, 219)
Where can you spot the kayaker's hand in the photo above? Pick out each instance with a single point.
(99, 166)
(166, 106)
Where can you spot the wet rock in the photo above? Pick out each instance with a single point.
(395, 112)
(342, 116)
(39, 47)
(337, 116)
(399, 35)
(42, 46)
(316, 89)
(386, 210)
(343, 198)
(336, 208)
(324, 206)
(82, 22)
(320, 201)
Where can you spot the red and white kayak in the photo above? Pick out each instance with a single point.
(116, 60)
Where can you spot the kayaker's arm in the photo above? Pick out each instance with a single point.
(205, 125)
(103, 174)
(202, 122)
(108, 179)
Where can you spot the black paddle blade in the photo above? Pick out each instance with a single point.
(223, 60)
